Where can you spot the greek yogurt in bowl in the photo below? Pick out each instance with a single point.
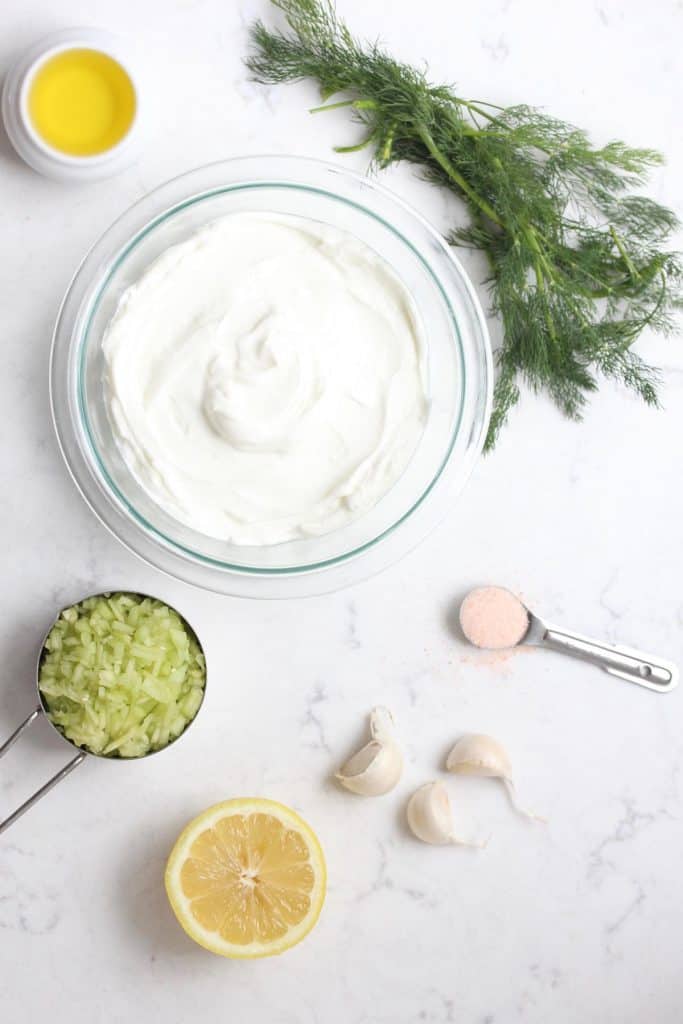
(300, 436)
(266, 379)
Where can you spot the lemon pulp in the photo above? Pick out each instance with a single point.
(81, 102)
(247, 878)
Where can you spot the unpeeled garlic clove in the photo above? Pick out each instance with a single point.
(477, 754)
(376, 767)
(430, 816)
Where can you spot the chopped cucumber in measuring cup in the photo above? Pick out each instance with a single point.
(121, 675)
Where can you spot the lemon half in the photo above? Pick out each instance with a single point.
(247, 878)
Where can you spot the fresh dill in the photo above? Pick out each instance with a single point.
(578, 263)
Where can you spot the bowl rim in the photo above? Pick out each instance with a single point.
(160, 205)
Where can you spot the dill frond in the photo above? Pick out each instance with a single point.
(577, 264)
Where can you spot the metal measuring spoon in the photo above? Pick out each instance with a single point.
(528, 629)
(42, 709)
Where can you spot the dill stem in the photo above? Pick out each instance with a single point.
(622, 252)
(602, 292)
(385, 152)
(539, 263)
(455, 176)
(477, 109)
(485, 103)
(359, 145)
(473, 105)
(331, 106)
(357, 104)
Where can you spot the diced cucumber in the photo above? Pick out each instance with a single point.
(121, 675)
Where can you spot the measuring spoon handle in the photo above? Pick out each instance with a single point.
(636, 667)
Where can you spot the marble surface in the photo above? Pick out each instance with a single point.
(577, 921)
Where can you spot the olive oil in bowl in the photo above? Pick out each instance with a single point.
(81, 102)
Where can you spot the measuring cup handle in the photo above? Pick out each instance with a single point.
(61, 774)
(17, 732)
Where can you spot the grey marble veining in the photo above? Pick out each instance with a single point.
(574, 922)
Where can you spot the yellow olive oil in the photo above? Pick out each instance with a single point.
(81, 102)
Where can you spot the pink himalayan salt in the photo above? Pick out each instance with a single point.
(493, 617)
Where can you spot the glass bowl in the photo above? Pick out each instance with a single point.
(459, 374)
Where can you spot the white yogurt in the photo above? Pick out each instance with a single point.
(265, 379)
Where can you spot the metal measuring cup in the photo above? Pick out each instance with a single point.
(82, 754)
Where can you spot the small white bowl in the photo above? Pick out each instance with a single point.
(23, 136)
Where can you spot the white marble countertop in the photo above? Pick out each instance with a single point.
(577, 921)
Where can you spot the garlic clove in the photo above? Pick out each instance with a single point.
(376, 768)
(373, 770)
(430, 817)
(429, 814)
(477, 754)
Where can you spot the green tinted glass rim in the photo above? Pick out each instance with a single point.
(174, 545)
